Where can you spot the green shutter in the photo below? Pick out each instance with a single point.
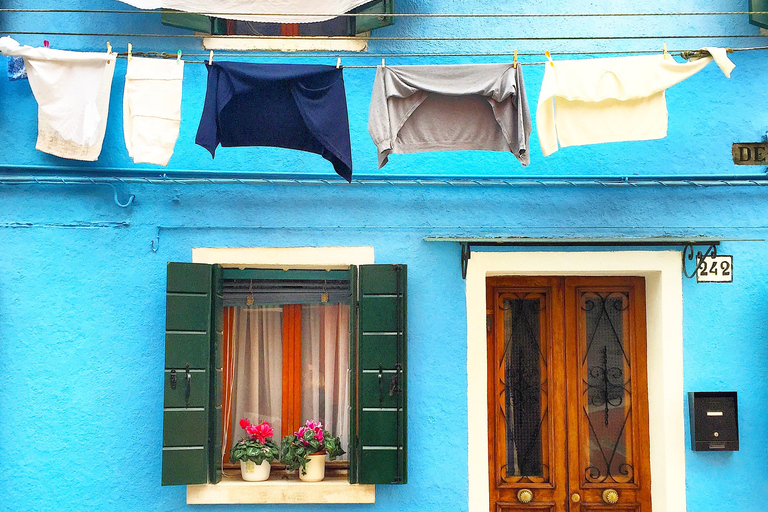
(192, 404)
(196, 22)
(368, 23)
(379, 389)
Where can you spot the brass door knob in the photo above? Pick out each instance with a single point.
(610, 496)
(575, 497)
(524, 495)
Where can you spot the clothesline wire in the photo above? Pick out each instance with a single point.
(348, 38)
(408, 14)
(686, 54)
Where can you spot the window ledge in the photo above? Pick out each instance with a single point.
(286, 44)
(233, 489)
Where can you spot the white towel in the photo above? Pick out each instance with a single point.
(590, 101)
(152, 109)
(256, 9)
(72, 92)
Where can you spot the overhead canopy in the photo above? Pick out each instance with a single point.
(290, 11)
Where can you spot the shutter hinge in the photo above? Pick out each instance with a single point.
(488, 321)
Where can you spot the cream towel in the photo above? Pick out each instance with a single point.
(591, 101)
(257, 9)
(152, 109)
(72, 92)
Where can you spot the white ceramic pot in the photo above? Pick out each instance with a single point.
(253, 472)
(315, 468)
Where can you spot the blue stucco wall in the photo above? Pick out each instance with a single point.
(82, 302)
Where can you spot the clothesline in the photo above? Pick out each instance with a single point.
(685, 54)
(395, 38)
(415, 15)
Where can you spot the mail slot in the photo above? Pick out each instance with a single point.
(714, 420)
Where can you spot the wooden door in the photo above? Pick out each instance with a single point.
(567, 394)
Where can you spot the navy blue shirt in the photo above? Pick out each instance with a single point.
(294, 106)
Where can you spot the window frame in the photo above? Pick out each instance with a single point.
(291, 337)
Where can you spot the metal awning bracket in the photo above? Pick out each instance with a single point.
(466, 253)
(688, 255)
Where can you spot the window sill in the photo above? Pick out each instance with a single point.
(286, 44)
(233, 490)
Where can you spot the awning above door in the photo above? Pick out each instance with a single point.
(687, 244)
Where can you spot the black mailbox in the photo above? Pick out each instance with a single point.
(714, 421)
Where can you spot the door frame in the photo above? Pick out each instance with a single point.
(662, 271)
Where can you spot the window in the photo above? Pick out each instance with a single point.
(286, 350)
(194, 369)
(224, 33)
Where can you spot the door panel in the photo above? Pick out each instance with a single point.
(567, 394)
(526, 394)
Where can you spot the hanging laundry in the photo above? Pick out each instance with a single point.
(614, 99)
(292, 106)
(152, 108)
(16, 69)
(256, 10)
(72, 92)
(454, 107)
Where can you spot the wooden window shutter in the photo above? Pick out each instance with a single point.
(196, 22)
(368, 23)
(193, 389)
(379, 377)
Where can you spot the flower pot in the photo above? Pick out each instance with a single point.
(253, 472)
(315, 471)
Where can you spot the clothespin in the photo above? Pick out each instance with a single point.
(666, 55)
(338, 62)
(210, 58)
(514, 60)
(178, 56)
(383, 64)
(46, 44)
(109, 47)
(130, 51)
(549, 56)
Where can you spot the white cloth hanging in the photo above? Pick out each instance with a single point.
(590, 101)
(255, 10)
(72, 92)
(152, 108)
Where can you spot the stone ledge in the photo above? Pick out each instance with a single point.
(233, 489)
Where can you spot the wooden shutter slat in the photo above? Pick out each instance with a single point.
(380, 419)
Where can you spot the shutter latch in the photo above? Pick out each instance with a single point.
(394, 386)
(189, 386)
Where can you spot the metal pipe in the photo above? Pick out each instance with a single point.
(10, 174)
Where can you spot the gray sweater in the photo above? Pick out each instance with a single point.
(452, 107)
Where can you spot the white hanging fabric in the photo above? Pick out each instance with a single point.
(152, 108)
(72, 92)
(255, 10)
(591, 101)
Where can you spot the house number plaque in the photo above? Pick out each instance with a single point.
(715, 269)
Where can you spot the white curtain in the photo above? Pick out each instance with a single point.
(258, 368)
(324, 365)
(257, 10)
